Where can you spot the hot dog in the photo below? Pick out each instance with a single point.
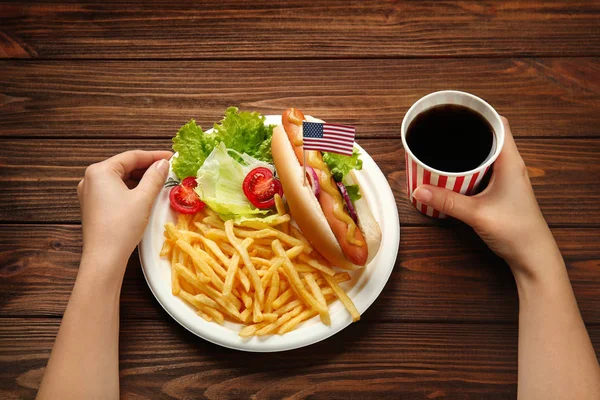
(323, 218)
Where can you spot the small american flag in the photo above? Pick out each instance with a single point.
(328, 137)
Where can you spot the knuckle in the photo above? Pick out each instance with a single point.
(93, 170)
(448, 204)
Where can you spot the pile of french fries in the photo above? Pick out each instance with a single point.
(265, 276)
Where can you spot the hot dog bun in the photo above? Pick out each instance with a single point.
(308, 212)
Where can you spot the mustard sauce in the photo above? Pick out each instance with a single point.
(326, 181)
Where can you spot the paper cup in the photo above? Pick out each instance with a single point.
(417, 173)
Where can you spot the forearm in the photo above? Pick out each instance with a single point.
(556, 357)
(84, 360)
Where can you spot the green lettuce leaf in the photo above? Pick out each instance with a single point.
(192, 146)
(244, 132)
(353, 192)
(220, 183)
(340, 164)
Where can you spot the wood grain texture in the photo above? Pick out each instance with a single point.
(161, 360)
(39, 177)
(441, 274)
(297, 29)
(552, 97)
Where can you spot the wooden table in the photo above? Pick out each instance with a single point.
(80, 81)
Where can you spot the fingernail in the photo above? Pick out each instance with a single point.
(423, 195)
(162, 166)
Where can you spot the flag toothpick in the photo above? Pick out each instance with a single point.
(328, 137)
(304, 164)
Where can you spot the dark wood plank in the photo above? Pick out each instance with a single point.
(297, 29)
(552, 97)
(160, 360)
(39, 177)
(442, 274)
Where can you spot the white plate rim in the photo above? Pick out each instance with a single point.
(309, 332)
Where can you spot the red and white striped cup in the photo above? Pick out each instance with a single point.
(417, 173)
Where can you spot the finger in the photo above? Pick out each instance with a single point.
(80, 190)
(446, 201)
(123, 164)
(153, 180)
(510, 153)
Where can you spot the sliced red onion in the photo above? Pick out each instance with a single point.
(313, 178)
(349, 205)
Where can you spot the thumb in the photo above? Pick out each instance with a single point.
(153, 180)
(446, 201)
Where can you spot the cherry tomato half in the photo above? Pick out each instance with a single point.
(260, 187)
(184, 199)
(190, 181)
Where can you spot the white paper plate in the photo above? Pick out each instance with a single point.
(363, 289)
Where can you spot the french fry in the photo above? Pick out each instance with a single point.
(246, 298)
(224, 302)
(289, 306)
(273, 293)
(246, 315)
(250, 330)
(269, 232)
(214, 264)
(304, 268)
(232, 269)
(203, 228)
(257, 315)
(210, 212)
(270, 317)
(214, 221)
(203, 278)
(263, 251)
(244, 279)
(216, 235)
(317, 265)
(343, 297)
(295, 232)
(282, 299)
(189, 235)
(294, 252)
(295, 280)
(205, 316)
(274, 267)
(175, 287)
(199, 299)
(211, 312)
(200, 263)
(267, 329)
(254, 279)
(316, 292)
(182, 222)
(285, 227)
(216, 315)
(292, 323)
(167, 247)
(260, 261)
(261, 225)
(214, 248)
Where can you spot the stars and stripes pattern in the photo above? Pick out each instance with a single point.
(328, 137)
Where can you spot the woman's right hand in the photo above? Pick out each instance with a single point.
(505, 215)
